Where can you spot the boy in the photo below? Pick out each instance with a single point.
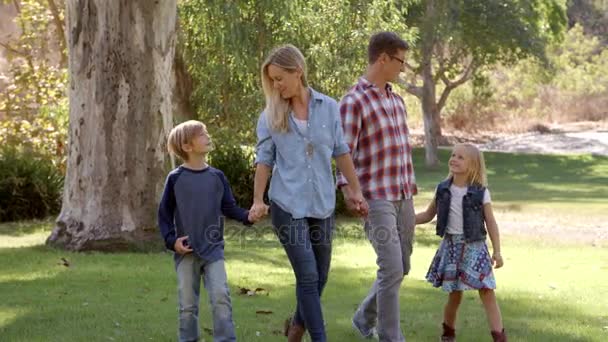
(195, 198)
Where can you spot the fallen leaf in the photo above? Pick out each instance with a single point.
(264, 312)
(249, 292)
(64, 262)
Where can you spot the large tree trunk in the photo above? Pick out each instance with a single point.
(429, 99)
(182, 89)
(430, 114)
(120, 59)
(437, 122)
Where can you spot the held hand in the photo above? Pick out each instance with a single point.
(355, 201)
(497, 260)
(258, 211)
(181, 247)
(360, 204)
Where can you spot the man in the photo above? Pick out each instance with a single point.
(375, 128)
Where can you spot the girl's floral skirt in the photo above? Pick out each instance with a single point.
(459, 265)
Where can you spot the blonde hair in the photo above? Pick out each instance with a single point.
(183, 134)
(476, 166)
(289, 58)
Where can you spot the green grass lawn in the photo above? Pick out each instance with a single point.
(522, 179)
(551, 289)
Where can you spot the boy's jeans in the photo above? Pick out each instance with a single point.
(307, 242)
(189, 269)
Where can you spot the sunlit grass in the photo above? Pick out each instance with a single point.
(549, 291)
(554, 286)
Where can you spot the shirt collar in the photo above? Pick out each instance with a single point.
(367, 84)
(315, 95)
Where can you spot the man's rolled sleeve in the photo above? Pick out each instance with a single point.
(350, 117)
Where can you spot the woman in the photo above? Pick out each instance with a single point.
(298, 134)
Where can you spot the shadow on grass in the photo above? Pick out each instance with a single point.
(531, 177)
(124, 297)
(22, 228)
(347, 229)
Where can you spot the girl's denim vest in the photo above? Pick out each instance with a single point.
(472, 211)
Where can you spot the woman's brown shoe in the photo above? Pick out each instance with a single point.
(294, 332)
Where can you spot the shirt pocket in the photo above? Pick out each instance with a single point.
(323, 135)
(287, 144)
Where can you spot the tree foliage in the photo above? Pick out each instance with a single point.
(458, 38)
(592, 15)
(37, 59)
(225, 43)
(33, 107)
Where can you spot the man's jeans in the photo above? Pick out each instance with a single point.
(189, 269)
(307, 242)
(390, 229)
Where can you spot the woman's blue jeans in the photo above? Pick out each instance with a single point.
(307, 242)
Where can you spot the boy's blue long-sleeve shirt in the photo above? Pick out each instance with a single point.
(194, 203)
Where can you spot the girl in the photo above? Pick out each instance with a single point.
(462, 262)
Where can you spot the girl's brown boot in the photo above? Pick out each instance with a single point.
(499, 336)
(449, 334)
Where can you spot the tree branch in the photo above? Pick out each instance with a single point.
(414, 90)
(61, 33)
(451, 85)
(443, 66)
(415, 70)
(410, 88)
(15, 51)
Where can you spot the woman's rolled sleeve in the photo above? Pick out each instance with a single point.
(340, 145)
(265, 148)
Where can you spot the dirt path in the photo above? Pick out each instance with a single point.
(574, 138)
(594, 142)
(566, 227)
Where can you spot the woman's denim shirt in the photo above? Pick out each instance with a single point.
(302, 180)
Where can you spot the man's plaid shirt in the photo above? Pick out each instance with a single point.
(376, 131)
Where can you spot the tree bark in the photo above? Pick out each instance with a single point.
(182, 89)
(17, 6)
(437, 123)
(60, 32)
(432, 127)
(120, 65)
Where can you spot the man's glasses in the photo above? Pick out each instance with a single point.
(398, 59)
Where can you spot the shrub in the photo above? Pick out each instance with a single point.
(44, 134)
(236, 161)
(30, 185)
